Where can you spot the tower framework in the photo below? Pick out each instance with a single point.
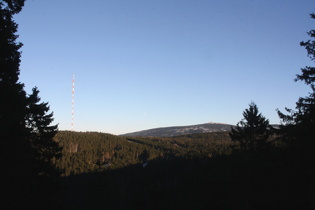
(72, 105)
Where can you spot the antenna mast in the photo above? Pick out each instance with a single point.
(72, 106)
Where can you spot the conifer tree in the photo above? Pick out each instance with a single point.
(297, 130)
(300, 123)
(12, 103)
(253, 131)
(26, 144)
(41, 134)
(15, 150)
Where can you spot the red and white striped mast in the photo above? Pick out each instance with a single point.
(72, 106)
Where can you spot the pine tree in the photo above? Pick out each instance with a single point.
(253, 131)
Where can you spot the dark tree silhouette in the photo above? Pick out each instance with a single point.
(41, 134)
(297, 129)
(302, 120)
(15, 151)
(253, 131)
(26, 145)
(12, 103)
(13, 6)
(299, 123)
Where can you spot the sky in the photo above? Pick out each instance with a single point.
(142, 64)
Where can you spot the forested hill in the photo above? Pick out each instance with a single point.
(195, 171)
(182, 130)
(85, 152)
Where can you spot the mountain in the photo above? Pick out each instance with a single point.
(182, 130)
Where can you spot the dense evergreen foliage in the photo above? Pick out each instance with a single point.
(198, 171)
(299, 123)
(40, 135)
(298, 126)
(27, 150)
(94, 152)
(253, 132)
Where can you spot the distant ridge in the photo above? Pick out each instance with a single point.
(182, 130)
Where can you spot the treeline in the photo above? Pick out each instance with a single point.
(85, 152)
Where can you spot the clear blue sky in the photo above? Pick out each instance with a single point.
(142, 64)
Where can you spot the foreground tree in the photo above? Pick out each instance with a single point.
(12, 103)
(299, 123)
(15, 151)
(253, 131)
(26, 145)
(297, 131)
(41, 134)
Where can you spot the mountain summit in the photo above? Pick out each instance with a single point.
(182, 130)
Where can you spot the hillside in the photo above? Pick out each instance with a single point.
(182, 130)
(85, 152)
(193, 171)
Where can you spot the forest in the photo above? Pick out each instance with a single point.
(197, 171)
(85, 152)
(254, 166)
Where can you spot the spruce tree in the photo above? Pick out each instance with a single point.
(41, 134)
(253, 131)
(15, 151)
(27, 148)
(13, 97)
(299, 124)
(297, 131)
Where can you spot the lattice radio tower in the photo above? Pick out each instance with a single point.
(72, 106)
